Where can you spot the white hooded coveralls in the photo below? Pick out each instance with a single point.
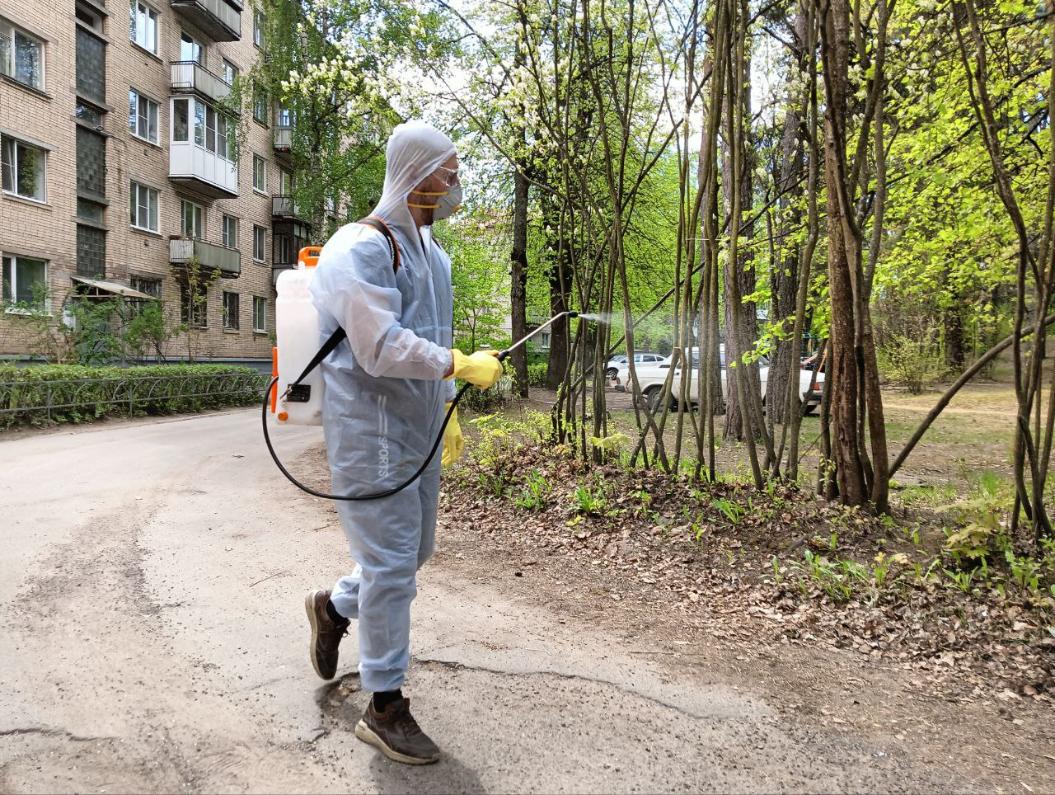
(384, 401)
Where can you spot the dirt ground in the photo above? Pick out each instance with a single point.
(972, 435)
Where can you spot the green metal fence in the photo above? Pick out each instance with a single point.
(46, 401)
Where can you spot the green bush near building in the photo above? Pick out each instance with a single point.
(50, 394)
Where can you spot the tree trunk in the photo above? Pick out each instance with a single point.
(518, 281)
(743, 271)
(852, 374)
(955, 356)
(785, 363)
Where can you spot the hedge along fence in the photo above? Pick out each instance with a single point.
(57, 393)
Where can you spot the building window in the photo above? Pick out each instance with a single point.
(230, 231)
(191, 219)
(144, 284)
(230, 72)
(91, 162)
(25, 284)
(258, 28)
(91, 65)
(260, 105)
(144, 206)
(143, 26)
(142, 116)
(190, 49)
(23, 168)
(285, 183)
(259, 314)
(230, 311)
(21, 55)
(194, 305)
(258, 242)
(91, 211)
(91, 251)
(283, 116)
(89, 17)
(259, 174)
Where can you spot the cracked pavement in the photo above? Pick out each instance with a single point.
(151, 584)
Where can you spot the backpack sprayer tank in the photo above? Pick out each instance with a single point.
(297, 332)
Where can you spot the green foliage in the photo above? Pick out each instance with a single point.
(732, 511)
(590, 500)
(61, 393)
(535, 492)
(537, 373)
(478, 247)
(838, 579)
(915, 361)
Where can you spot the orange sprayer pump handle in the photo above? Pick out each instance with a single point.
(309, 256)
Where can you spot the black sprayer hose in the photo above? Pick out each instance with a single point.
(362, 497)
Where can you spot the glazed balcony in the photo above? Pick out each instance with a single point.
(202, 171)
(219, 19)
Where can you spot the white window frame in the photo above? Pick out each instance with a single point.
(18, 310)
(262, 329)
(135, 117)
(134, 189)
(200, 60)
(187, 310)
(197, 216)
(260, 104)
(12, 166)
(263, 243)
(237, 311)
(263, 171)
(228, 68)
(8, 54)
(133, 31)
(229, 240)
(259, 20)
(136, 282)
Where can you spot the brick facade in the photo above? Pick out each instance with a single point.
(48, 118)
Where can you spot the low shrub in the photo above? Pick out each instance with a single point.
(916, 363)
(60, 393)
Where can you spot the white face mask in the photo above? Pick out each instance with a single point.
(448, 203)
(445, 205)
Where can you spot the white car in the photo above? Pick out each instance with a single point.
(620, 360)
(652, 377)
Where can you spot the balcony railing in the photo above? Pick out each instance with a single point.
(217, 18)
(206, 172)
(190, 76)
(284, 207)
(283, 138)
(208, 255)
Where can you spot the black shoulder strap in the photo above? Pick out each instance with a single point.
(335, 339)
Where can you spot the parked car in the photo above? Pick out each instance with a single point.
(640, 358)
(652, 377)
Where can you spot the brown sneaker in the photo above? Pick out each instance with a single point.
(325, 634)
(396, 734)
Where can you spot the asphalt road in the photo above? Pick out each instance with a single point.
(152, 638)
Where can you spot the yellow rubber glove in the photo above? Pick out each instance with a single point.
(481, 368)
(453, 442)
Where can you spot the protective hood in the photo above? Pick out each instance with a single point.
(415, 150)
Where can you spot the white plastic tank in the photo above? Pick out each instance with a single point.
(297, 333)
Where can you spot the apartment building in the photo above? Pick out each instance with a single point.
(120, 167)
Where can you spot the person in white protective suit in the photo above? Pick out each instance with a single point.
(385, 401)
